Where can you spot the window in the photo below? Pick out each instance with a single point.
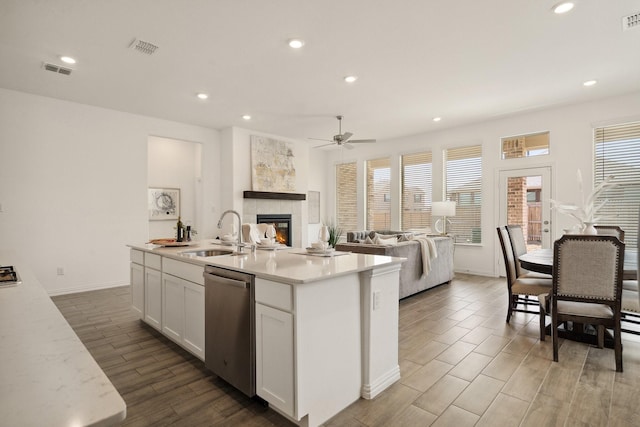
(617, 153)
(463, 181)
(378, 194)
(535, 144)
(346, 201)
(416, 191)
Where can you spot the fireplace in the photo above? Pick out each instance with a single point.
(282, 223)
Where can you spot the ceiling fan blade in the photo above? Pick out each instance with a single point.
(345, 136)
(324, 145)
(360, 141)
(321, 139)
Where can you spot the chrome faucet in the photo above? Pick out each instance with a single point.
(240, 245)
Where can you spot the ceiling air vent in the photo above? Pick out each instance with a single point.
(143, 46)
(631, 21)
(56, 68)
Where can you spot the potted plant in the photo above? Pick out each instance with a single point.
(334, 234)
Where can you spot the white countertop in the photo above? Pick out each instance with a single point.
(290, 265)
(47, 376)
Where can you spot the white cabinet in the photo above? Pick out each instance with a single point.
(137, 288)
(153, 290)
(153, 297)
(136, 278)
(274, 352)
(183, 306)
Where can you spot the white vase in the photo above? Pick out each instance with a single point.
(589, 229)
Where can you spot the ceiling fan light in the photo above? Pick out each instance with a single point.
(563, 7)
(350, 79)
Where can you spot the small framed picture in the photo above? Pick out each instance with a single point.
(164, 203)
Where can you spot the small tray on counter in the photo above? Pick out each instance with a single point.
(9, 276)
(168, 242)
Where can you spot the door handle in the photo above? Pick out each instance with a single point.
(546, 230)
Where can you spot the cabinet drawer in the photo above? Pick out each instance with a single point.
(187, 271)
(274, 294)
(153, 261)
(136, 256)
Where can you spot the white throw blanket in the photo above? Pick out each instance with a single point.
(429, 252)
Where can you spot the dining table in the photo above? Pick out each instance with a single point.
(541, 261)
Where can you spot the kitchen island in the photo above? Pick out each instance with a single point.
(47, 376)
(326, 328)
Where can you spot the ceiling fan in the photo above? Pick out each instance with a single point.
(342, 139)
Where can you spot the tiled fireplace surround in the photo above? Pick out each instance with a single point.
(253, 207)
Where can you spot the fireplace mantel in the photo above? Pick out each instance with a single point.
(274, 195)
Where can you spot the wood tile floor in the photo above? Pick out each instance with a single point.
(461, 365)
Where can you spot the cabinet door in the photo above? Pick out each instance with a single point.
(173, 307)
(153, 297)
(136, 278)
(194, 318)
(274, 358)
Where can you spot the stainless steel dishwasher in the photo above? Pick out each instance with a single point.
(229, 327)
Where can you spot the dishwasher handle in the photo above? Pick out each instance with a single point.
(225, 281)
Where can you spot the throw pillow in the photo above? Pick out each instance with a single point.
(367, 241)
(405, 237)
(385, 240)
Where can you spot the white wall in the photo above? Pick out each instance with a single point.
(73, 186)
(571, 147)
(175, 164)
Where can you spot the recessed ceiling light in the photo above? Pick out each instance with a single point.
(350, 79)
(67, 59)
(437, 119)
(563, 7)
(202, 96)
(296, 43)
(590, 82)
(246, 117)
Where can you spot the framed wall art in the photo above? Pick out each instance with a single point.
(164, 203)
(314, 207)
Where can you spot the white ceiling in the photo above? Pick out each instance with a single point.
(465, 60)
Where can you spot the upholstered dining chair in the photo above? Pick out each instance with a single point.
(610, 230)
(519, 286)
(587, 286)
(519, 247)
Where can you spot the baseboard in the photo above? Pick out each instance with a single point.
(369, 391)
(75, 290)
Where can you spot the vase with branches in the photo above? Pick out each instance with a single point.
(587, 213)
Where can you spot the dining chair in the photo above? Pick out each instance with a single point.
(610, 230)
(631, 294)
(519, 247)
(587, 286)
(519, 286)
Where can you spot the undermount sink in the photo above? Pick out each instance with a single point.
(205, 252)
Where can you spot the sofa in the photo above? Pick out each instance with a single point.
(411, 280)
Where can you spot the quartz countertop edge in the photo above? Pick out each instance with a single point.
(286, 265)
(48, 376)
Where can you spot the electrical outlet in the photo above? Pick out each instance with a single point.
(376, 300)
(60, 271)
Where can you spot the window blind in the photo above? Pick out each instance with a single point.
(617, 153)
(346, 201)
(463, 185)
(416, 191)
(378, 194)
